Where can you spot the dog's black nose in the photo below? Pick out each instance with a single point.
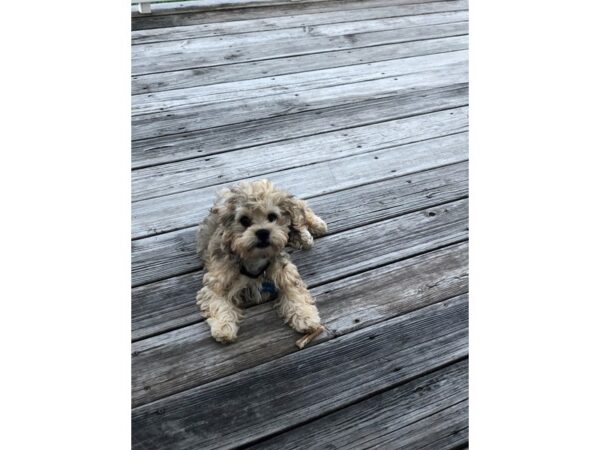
(262, 234)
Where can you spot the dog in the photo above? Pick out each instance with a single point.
(243, 243)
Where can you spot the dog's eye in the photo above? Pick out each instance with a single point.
(245, 221)
(272, 217)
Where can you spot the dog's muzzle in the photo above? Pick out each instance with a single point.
(263, 238)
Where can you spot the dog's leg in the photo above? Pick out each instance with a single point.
(295, 305)
(221, 314)
(314, 223)
(301, 239)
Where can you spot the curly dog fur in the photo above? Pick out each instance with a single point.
(243, 245)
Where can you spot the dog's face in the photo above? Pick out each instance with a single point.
(257, 219)
(260, 229)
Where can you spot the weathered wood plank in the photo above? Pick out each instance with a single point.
(402, 416)
(166, 7)
(168, 101)
(186, 78)
(172, 178)
(196, 12)
(291, 21)
(345, 306)
(299, 387)
(445, 429)
(164, 149)
(282, 36)
(174, 253)
(448, 430)
(162, 214)
(205, 52)
(199, 117)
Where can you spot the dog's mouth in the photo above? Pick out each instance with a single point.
(263, 245)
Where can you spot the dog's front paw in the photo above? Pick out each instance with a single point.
(306, 320)
(223, 332)
(305, 239)
(317, 226)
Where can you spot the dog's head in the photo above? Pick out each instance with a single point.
(257, 218)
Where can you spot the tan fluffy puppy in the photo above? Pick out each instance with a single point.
(242, 243)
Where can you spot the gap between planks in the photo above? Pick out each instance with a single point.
(431, 337)
(166, 58)
(181, 210)
(186, 78)
(345, 305)
(196, 16)
(222, 139)
(141, 37)
(180, 117)
(263, 161)
(187, 6)
(174, 253)
(165, 102)
(395, 409)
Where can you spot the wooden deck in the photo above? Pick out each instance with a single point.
(360, 107)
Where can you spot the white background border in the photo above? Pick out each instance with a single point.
(66, 221)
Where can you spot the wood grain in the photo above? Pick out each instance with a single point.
(299, 387)
(413, 415)
(173, 100)
(290, 21)
(345, 306)
(216, 140)
(213, 51)
(199, 116)
(211, 5)
(174, 253)
(186, 78)
(187, 13)
(262, 160)
(186, 209)
(285, 35)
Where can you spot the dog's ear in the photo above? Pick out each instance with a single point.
(294, 208)
(225, 214)
(226, 205)
(299, 237)
(304, 220)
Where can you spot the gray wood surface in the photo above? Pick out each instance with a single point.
(210, 5)
(174, 253)
(263, 160)
(162, 214)
(186, 78)
(198, 12)
(173, 100)
(345, 306)
(190, 12)
(177, 119)
(290, 21)
(446, 429)
(361, 108)
(403, 417)
(205, 52)
(285, 34)
(164, 149)
(302, 386)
